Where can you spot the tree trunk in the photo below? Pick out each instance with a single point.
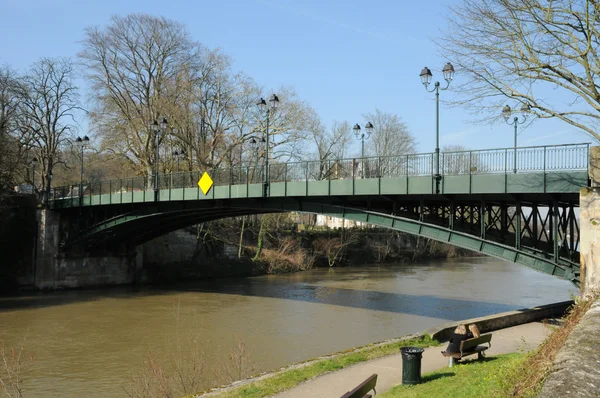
(261, 235)
(241, 236)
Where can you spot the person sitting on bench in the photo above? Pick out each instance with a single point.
(460, 334)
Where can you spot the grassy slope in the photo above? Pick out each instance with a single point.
(486, 378)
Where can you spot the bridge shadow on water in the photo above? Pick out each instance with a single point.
(452, 309)
(427, 305)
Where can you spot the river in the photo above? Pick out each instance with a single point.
(93, 343)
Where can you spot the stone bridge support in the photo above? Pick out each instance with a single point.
(589, 227)
(56, 270)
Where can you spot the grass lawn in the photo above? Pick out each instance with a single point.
(491, 377)
(291, 378)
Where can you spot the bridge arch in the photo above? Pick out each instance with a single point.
(141, 226)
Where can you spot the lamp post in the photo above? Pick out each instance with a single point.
(82, 143)
(254, 142)
(34, 162)
(426, 75)
(506, 112)
(179, 155)
(157, 130)
(255, 145)
(273, 104)
(361, 136)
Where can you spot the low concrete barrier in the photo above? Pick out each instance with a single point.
(503, 320)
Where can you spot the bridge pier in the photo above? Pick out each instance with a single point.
(55, 269)
(589, 226)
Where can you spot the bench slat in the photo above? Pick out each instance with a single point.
(469, 344)
(363, 388)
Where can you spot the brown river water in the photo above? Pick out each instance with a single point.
(90, 343)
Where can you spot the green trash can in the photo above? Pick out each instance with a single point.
(411, 364)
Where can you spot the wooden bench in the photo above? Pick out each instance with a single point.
(471, 346)
(362, 390)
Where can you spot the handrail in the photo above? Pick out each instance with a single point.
(521, 147)
(544, 158)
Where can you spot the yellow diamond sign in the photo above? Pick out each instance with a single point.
(205, 183)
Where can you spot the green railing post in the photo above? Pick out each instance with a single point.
(328, 177)
(285, 182)
(544, 159)
(470, 171)
(544, 169)
(230, 180)
(306, 187)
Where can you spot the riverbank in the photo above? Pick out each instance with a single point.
(220, 249)
(508, 327)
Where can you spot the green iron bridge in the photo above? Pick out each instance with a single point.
(519, 205)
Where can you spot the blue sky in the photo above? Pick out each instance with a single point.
(344, 58)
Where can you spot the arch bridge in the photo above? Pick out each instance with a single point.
(519, 205)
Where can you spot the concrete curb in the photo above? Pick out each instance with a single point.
(503, 320)
(441, 333)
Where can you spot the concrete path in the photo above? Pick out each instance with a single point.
(389, 369)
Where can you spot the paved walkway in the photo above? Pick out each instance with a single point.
(389, 369)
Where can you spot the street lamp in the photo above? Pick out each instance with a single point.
(179, 155)
(255, 145)
(273, 104)
(426, 75)
(361, 136)
(82, 143)
(506, 112)
(34, 163)
(157, 130)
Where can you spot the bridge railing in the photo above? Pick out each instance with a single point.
(532, 159)
(522, 160)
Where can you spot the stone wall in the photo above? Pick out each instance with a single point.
(576, 366)
(17, 241)
(589, 236)
(180, 256)
(57, 270)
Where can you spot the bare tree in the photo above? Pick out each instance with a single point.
(46, 114)
(144, 68)
(391, 135)
(331, 147)
(391, 138)
(455, 160)
(458, 159)
(11, 96)
(141, 69)
(522, 49)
